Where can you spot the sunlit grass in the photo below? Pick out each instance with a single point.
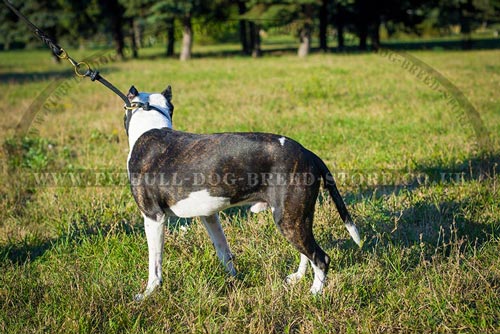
(73, 257)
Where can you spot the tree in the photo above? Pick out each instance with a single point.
(80, 20)
(10, 25)
(162, 17)
(255, 40)
(170, 37)
(468, 14)
(364, 18)
(113, 14)
(245, 45)
(44, 14)
(299, 14)
(134, 15)
(187, 36)
(367, 16)
(83, 19)
(323, 25)
(305, 32)
(254, 16)
(185, 11)
(339, 18)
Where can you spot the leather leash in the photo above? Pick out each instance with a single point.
(82, 69)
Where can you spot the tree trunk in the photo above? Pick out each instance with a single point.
(117, 29)
(340, 37)
(170, 37)
(137, 33)
(118, 37)
(243, 28)
(255, 40)
(362, 23)
(187, 37)
(465, 11)
(251, 26)
(305, 33)
(113, 13)
(323, 26)
(363, 35)
(339, 23)
(376, 34)
(135, 54)
(305, 41)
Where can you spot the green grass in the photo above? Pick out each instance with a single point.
(72, 257)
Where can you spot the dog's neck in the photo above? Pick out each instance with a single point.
(142, 120)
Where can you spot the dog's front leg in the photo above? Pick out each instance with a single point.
(155, 236)
(214, 229)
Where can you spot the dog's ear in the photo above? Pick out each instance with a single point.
(167, 93)
(132, 93)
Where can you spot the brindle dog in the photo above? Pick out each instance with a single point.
(181, 174)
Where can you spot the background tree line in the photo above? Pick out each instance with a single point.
(127, 22)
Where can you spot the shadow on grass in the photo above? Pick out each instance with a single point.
(24, 77)
(467, 44)
(282, 49)
(474, 168)
(432, 221)
(33, 247)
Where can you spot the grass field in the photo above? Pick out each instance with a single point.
(73, 256)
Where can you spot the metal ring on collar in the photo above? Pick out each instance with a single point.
(77, 69)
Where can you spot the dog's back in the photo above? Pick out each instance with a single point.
(167, 166)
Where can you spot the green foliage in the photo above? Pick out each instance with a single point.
(31, 153)
(44, 14)
(9, 27)
(468, 14)
(77, 22)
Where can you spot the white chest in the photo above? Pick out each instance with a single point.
(143, 121)
(199, 203)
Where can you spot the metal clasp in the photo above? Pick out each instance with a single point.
(78, 66)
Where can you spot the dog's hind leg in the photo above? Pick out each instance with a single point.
(214, 229)
(295, 223)
(155, 235)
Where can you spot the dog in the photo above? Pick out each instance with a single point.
(181, 174)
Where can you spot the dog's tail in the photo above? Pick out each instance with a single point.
(330, 185)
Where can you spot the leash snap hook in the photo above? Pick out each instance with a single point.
(63, 54)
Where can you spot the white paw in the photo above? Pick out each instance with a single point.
(149, 290)
(231, 271)
(139, 297)
(316, 289)
(227, 260)
(293, 278)
(258, 207)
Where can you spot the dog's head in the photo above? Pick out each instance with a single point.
(149, 101)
